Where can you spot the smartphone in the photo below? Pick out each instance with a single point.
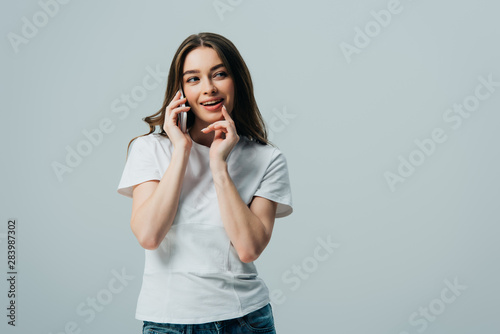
(182, 119)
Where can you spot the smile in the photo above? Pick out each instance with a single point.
(213, 105)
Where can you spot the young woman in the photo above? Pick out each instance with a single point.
(205, 200)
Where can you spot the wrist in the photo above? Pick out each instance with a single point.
(220, 175)
(218, 166)
(182, 151)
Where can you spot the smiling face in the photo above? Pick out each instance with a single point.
(207, 86)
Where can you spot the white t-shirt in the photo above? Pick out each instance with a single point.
(195, 275)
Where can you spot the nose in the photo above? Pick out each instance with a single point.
(209, 87)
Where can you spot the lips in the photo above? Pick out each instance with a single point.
(212, 102)
(214, 107)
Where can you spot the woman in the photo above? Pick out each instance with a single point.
(204, 201)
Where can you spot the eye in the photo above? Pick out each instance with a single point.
(191, 79)
(221, 74)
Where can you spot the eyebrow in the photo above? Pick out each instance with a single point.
(197, 71)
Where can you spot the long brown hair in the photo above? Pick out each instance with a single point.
(246, 115)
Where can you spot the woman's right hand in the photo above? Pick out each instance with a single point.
(172, 111)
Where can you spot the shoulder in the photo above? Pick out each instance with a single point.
(247, 144)
(262, 153)
(151, 145)
(152, 140)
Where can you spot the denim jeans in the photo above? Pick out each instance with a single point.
(258, 321)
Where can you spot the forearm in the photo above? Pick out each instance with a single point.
(245, 230)
(155, 216)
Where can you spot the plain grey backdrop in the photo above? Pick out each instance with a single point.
(387, 112)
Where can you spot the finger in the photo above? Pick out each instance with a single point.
(177, 100)
(177, 111)
(217, 125)
(227, 126)
(180, 101)
(225, 113)
(218, 134)
(171, 110)
(169, 106)
(176, 96)
(175, 105)
(181, 109)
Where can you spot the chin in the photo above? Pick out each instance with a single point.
(210, 117)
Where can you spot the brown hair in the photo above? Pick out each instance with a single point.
(246, 115)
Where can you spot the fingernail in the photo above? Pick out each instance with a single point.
(203, 129)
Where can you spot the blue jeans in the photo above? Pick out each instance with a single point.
(258, 321)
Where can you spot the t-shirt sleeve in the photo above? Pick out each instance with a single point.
(275, 184)
(141, 166)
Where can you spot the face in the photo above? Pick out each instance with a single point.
(205, 79)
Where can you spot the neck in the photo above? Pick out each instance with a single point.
(199, 137)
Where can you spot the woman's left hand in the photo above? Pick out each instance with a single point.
(225, 138)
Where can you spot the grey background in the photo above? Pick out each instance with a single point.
(351, 121)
